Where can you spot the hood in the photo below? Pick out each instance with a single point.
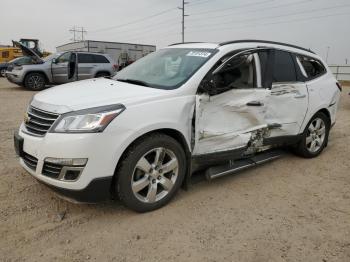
(93, 93)
(28, 52)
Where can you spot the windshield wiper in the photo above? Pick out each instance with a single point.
(134, 81)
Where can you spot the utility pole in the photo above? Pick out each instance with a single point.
(76, 30)
(346, 61)
(183, 19)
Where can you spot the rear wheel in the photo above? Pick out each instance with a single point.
(2, 72)
(315, 136)
(151, 173)
(35, 81)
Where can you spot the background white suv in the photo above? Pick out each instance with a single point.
(187, 107)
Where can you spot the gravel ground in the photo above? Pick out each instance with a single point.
(291, 209)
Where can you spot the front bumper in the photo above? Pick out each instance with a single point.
(94, 182)
(97, 190)
(14, 78)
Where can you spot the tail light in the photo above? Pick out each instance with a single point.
(339, 86)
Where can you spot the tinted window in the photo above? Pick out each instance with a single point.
(283, 68)
(85, 59)
(100, 59)
(5, 54)
(263, 57)
(313, 68)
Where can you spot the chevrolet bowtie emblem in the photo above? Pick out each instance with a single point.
(26, 118)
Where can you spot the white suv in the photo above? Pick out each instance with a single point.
(218, 108)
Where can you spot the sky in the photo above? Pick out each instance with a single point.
(322, 25)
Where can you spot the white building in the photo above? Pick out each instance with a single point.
(121, 52)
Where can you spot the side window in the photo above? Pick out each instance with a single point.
(100, 59)
(5, 54)
(283, 68)
(312, 67)
(239, 72)
(85, 59)
(63, 58)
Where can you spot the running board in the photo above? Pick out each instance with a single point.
(242, 164)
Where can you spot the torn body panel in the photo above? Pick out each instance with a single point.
(226, 121)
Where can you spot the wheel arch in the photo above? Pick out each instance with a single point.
(38, 72)
(326, 112)
(103, 72)
(177, 135)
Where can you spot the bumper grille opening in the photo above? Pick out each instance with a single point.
(51, 170)
(38, 121)
(30, 161)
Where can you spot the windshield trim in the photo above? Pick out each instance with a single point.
(152, 85)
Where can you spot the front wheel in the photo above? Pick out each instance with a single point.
(151, 173)
(35, 81)
(315, 136)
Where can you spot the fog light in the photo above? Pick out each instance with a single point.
(65, 169)
(67, 161)
(72, 174)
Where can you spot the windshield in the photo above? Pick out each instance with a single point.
(50, 57)
(21, 60)
(165, 69)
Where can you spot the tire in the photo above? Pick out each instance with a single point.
(35, 81)
(2, 72)
(144, 184)
(102, 74)
(315, 136)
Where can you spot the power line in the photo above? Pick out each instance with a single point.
(230, 8)
(254, 11)
(276, 23)
(135, 21)
(275, 16)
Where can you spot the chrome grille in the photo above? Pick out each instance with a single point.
(38, 121)
(30, 161)
(51, 170)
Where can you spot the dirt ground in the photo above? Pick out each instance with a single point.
(291, 209)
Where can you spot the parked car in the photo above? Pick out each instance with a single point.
(60, 68)
(219, 108)
(19, 61)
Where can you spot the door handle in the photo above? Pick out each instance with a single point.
(300, 96)
(255, 103)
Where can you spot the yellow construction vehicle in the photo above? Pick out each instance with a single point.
(8, 53)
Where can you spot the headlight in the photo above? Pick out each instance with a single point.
(91, 120)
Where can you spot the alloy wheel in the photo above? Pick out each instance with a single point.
(155, 175)
(315, 135)
(36, 82)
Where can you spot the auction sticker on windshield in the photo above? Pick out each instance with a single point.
(197, 53)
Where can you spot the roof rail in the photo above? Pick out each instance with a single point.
(266, 42)
(186, 43)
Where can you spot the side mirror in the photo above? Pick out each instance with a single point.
(208, 86)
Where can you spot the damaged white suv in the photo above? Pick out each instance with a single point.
(218, 108)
